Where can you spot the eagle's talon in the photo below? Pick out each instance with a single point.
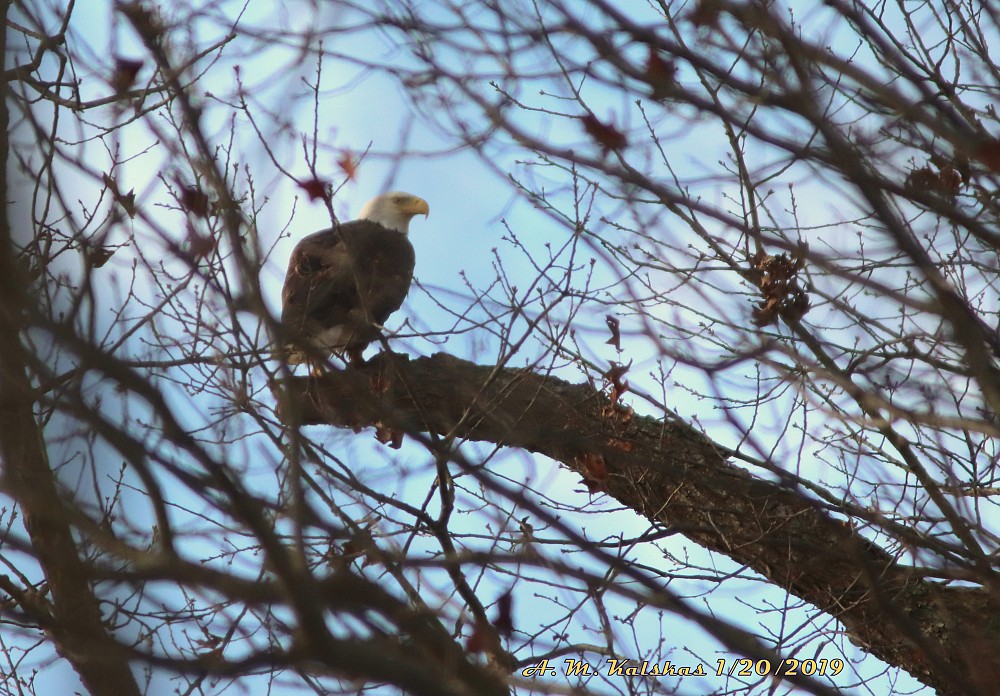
(355, 357)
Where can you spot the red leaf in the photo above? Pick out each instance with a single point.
(660, 74)
(596, 468)
(389, 436)
(608, 137)
(315, 188)
(124, 76)
(479, 641)
(620, 444)
(706, 13)
(614, 376)
(593, 469)
(347, 165)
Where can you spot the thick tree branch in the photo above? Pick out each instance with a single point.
(671, 474)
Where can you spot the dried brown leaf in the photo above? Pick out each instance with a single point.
(122, 79)
(98, 255)
(607, 136)
(660, 74)
(316, 189)
(616, 336)
(347, 165)
(194, 201)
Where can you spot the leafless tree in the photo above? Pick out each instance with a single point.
(717, 413)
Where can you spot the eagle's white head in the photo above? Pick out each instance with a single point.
(394, 210)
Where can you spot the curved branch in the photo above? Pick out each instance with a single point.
(670, 473)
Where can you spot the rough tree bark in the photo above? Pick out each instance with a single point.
(671, 474)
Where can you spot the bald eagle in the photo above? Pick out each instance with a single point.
(344, 282)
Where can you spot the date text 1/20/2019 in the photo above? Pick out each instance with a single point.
(742, 667)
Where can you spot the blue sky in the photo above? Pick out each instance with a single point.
(469, 198)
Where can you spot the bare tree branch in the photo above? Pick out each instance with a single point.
(73, 617)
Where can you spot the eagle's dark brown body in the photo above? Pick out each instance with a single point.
(340, 283)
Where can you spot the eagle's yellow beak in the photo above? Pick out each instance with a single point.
(417, 206)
